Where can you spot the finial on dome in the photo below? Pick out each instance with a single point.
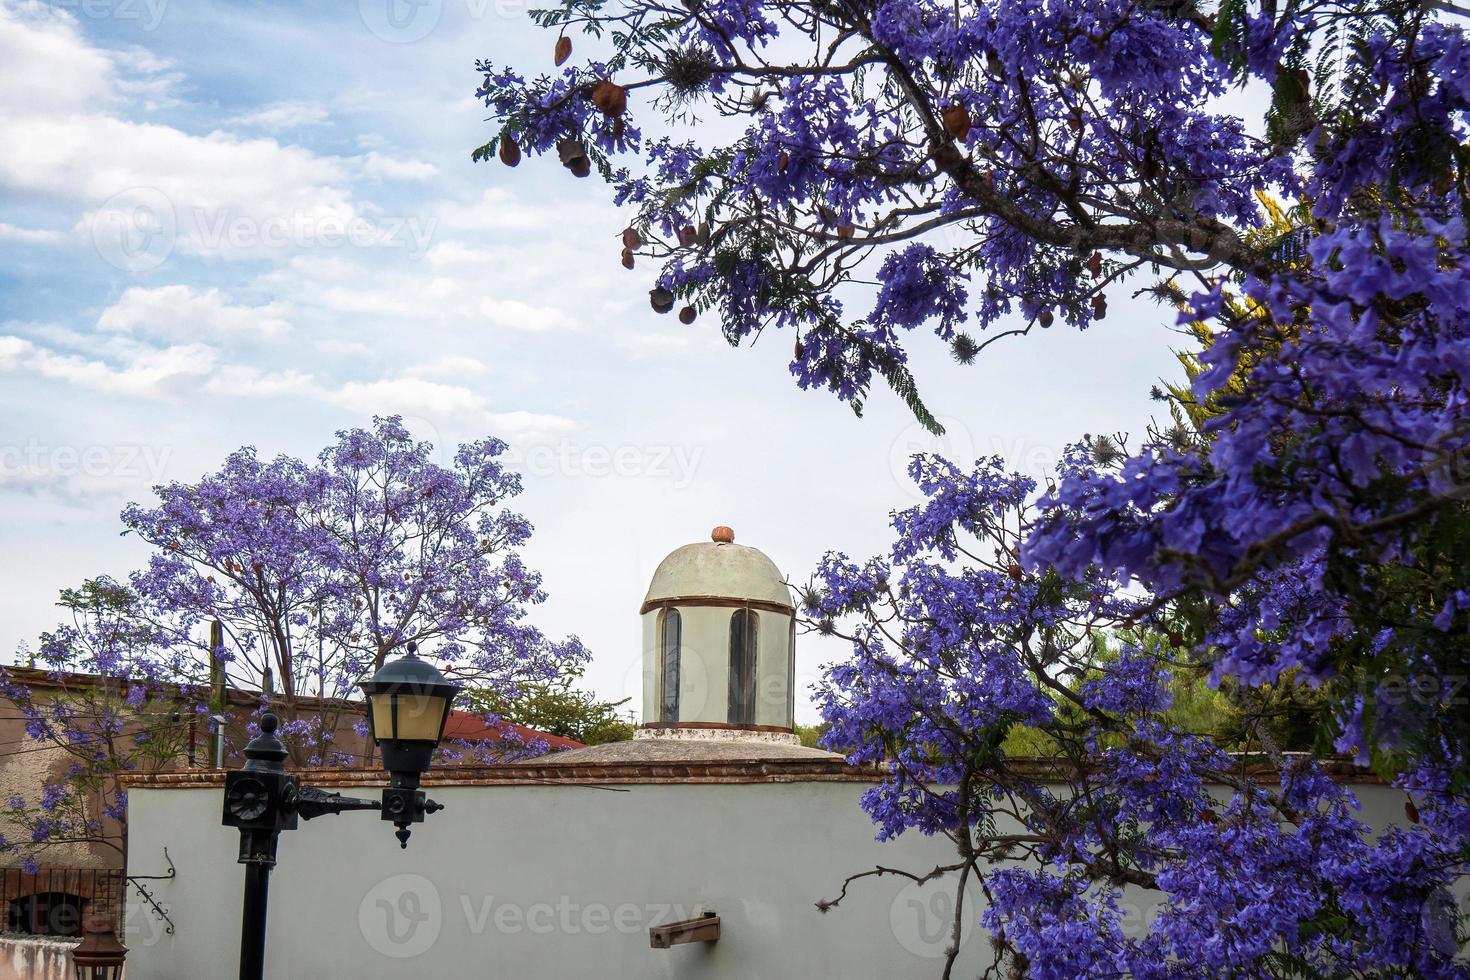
(722, 535)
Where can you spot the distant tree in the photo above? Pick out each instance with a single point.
(557, 707)
(811, 735)
(318, 573)
(113, 707)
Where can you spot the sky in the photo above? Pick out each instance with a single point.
(227, 224)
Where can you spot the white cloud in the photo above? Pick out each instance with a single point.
(384, 167)
(450, 365)
(514, 314)
(45, 65)
(29, 236)
(152, 372)
(446, 407)
(48, 67)
(156, 188)
(409, 396)
(283, 115)
(183, 312)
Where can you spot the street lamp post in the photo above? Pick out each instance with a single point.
(408, 704)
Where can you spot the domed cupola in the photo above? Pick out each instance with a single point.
(719, 638)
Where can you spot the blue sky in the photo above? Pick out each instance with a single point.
(257, 223)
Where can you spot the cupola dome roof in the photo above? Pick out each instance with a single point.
(718, 569)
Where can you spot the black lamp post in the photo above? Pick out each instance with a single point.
(408, 704)
(99, 956)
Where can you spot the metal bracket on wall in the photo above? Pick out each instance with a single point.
(135, 881)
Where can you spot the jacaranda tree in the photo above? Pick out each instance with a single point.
(993, 168)
(316, 573)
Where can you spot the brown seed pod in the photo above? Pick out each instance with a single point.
(1410, 810)
(573, 154)
(510, 150)
(1045, 318)
(1176, 638)
(618, 128)
(660, 299)
(844, 231)
(610, 99)
(956, 119)
(783, 162)
(563, 49)
(1099, 306)
(1208, 816)
(1094, 264)
(627, 258)
(688, 235)
(686, 315)
(631, 238)
(1015, 572)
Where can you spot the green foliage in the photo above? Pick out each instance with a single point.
(811, 735)
(558, 708)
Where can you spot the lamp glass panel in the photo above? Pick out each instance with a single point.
(420, 717)
(382, 715)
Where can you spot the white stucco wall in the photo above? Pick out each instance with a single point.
(555, 881)
(34, 958)
(547, 882)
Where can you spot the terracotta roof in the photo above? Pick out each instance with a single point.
(470, 727)
(464, 725)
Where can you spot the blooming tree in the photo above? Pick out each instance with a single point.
(994, 168)
(316, 573)
(112, 702)
(319, 572)
(956, 649)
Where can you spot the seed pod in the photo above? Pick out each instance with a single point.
(510, 150)
(610, 99)
(631, 238)
(618, 128)
(1015, 572)
(563, 49)
(1176, 638)
(1410, 810)
(627, 258)
(1094, 264)
(686, 315)
(1208, 816)
(1044, 318)
(660, 299)
(783, 162)
(956, 119)
(688, 236)
(573, 154)
(1099, 306)
(844, 231)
